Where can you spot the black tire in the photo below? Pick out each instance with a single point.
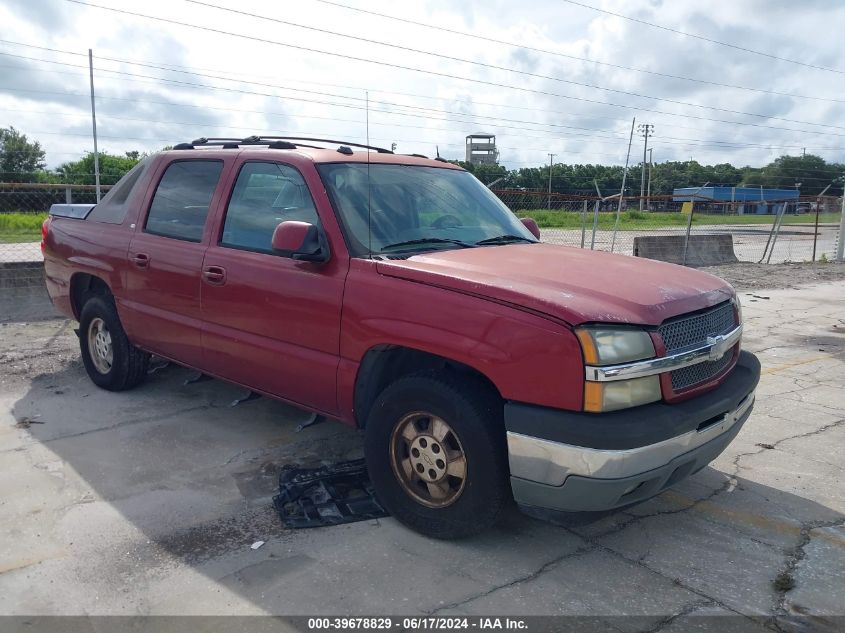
(474, 413)
(129, 364)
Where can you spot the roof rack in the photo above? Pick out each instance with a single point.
(380, 150)
(274, 142)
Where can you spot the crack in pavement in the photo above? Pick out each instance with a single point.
(676, 581)
(512, 583)
(158, 418)
(686, 610)
(793, 557)
(729, 483)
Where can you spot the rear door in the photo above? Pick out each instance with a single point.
(162, 297)
(272, 323)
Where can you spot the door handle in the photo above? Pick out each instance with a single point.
(141, 260)
(214, 275)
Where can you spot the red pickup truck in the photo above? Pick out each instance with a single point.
(397, 294)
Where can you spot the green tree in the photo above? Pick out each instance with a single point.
(813, 173)
(112, 168)
(20, 159)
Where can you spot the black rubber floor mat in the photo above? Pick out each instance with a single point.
(329, 495)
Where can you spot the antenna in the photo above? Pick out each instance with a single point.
(369, 195)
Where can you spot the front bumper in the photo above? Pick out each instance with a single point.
(571, 461)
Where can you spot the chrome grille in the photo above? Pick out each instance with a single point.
(695, 374)
(692, 331)
(688, 332)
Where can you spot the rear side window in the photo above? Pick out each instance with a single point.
(264, 195)
(181, 201)
(112, 208)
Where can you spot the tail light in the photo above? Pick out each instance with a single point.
(45, 230)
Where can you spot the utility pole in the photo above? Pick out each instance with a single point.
(94, 125)
(551, 160)
(648, 188)
(840, 241)
(644, 129)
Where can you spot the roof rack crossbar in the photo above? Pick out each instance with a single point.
(266, 140)
(380, 150)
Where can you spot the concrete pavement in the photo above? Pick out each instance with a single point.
(147, 502)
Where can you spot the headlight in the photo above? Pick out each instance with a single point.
(620, 394)
(610, 346)
(607, 345)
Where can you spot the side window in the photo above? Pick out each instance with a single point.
(181, 201)
(112, 208)
(265, 194)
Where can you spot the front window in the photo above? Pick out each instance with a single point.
(400, 209)
(264, 195)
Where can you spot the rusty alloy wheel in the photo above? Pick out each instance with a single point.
(100, 345)
(428, 459)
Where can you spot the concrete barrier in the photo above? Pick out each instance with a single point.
(702, 250)
(21, 274)
(23, 295)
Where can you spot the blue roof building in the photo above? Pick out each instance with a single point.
(746, 199)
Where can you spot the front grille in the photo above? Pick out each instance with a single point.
(692, 331)
(688, 332)
(695, 374)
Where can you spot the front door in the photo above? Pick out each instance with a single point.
(161, 307)
(271, 322)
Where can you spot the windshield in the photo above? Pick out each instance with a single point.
(413, 208)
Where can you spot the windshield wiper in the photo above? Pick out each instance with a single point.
(429, 240)
(505, 239)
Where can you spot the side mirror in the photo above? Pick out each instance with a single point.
(301, 241)
(531, 225)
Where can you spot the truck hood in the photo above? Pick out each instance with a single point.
(571, 284)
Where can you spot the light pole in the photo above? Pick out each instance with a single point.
(644, 129)
(551, 159)
(94, 126)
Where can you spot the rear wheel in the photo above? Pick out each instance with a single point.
(111, 361)
(435, 448)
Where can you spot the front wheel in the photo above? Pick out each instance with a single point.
(112, 362)
(436, 454)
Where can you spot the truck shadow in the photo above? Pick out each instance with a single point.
(194, 478)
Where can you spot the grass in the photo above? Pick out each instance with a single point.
(21, 227)
(636, 220)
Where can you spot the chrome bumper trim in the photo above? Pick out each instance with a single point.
(551, 463)
(717, 346)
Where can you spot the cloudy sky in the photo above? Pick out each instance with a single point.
(543, 76)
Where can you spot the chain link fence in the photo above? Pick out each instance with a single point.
(23, 208)
(799, 229)
(796, 230)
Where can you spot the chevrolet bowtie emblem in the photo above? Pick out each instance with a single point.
(718, 347)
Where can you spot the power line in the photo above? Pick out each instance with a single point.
(169, 68)
(574, 57)
(486, 65)
(686, 142)
(447, 75)
(465, 117)
(358, 99)
(706, 39)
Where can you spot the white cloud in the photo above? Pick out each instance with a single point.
(300, 92)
